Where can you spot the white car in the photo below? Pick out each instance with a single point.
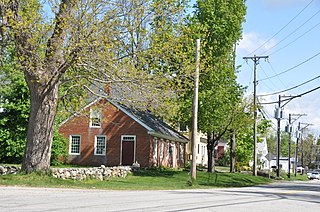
(314, 175)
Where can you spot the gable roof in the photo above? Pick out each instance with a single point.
(155, 126)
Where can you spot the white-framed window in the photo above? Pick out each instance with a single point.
(155, 148)
(95, 117)
(100, 142)
(75, 145)
(161, 148)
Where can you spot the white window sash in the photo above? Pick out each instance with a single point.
(96, 145)
(72, 145)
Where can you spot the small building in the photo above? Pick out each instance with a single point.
(202, 151)
(111, 134)
(284, 165)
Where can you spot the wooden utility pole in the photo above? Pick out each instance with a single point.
(289, 145)
(296, 153)
(193, 169)
(255, 60)
(278, 136)
(289, 129)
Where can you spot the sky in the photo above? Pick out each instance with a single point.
(288, 31)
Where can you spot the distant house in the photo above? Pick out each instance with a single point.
(202, 151)
(262, 154)
(113, 134)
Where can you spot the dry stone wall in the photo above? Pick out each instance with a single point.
(9, 170)
(99, 173)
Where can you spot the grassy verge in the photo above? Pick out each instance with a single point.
(142, 180)
(298, 177)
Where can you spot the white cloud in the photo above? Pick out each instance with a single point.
(252, 41)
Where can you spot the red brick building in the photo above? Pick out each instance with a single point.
(112, 134)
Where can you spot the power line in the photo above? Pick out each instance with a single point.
(294, 31)
(307, 60)
(296, 86)
(291, 98)
(295, 39)
(282, 27)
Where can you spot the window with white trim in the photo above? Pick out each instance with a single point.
(155, 148)
(95, 117)
(75, 144)
(167, 150)
(100, 145)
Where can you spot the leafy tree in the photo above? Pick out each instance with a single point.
(272, 141)
(308, 150)
(218, 23)
(80, 44)
(14, 103)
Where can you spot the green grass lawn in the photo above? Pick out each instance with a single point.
(142, 180)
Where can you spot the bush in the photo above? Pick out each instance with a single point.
(59, 150)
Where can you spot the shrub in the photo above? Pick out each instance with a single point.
(59, 152)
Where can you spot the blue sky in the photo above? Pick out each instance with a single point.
(288, 31)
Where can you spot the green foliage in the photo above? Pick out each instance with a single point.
(59, 153)
(272, 141)
(15, 103)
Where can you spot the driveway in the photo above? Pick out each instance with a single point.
(289, 196)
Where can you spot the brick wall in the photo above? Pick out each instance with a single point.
(114, 124)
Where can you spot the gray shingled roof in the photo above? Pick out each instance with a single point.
(156, 126)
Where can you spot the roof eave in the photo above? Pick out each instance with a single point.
(171, 138)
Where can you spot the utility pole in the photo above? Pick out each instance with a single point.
(278, 136)
(255, 60)
(296, 153)
(289, 129)
(193, 168)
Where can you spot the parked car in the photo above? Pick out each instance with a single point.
(313, 175)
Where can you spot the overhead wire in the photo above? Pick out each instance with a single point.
(290, 69)
(294, 31)
(291, 98)
(272, 53)
(288, 89)
(282, 28)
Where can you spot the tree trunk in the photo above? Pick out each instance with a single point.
(232, 151)
(210, 156)
(210, 148)
(43, 103)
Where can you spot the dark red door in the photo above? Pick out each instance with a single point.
(127, 152)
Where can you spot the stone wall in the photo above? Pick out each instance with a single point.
(99, 173)
(9, 170)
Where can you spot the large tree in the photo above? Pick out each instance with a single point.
(77, 42)
(219, 24)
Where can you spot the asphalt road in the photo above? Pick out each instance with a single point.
(292, 196)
